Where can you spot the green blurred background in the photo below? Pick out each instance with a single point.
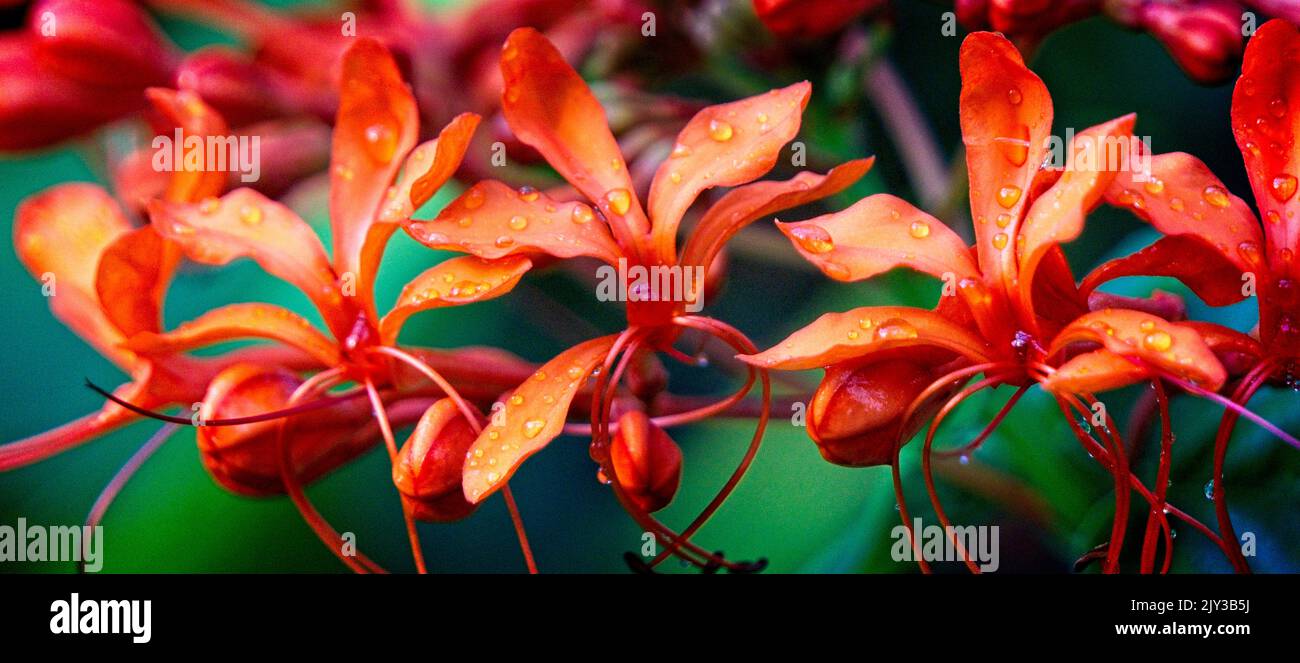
(1052, 501)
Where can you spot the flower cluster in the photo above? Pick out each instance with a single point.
(274, 416)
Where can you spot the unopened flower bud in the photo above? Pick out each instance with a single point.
(647, 462)
(1203, 37)
(110, 43)
(428, 467)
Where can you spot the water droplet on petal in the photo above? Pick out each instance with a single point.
(720, 130)
(209, 205)
(1158, 341)
(381, 141)
(250, 214)
(518, 222)
(582, 214)
(1000, 241)
(473, 198)
(1283, 187)
(533, 427)
(1008, 196)
(920, 229)
(1014, 96)
(813, 239)
(1216, 196)
(620, 201)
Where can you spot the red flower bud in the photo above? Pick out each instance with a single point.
(245, 459)
(856, 416)
(646, 461)
(232, 84)
(1204, 38)
(110, 43)
(810, 19)
(428, 467)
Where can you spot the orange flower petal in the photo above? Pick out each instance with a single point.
(187, 111)
(60, 235)
(246, 224)
(377, 125)
(428, 167)
(1056, 217)
(1057, 300)
(1006, 116)
(877, 234)
(837, 337)
(1182, 197)
(491, 220)
(723, 145)
(1149, 339)
(1265, 116)
(245, 459)
(746, 204)
(1203, 268)
(237, 322)
(533, 416)
(551, 109)
(132, 279)
(457, 281)
(1093, 372)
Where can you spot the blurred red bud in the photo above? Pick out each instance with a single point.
(646, 461)
(230, 83)
(856, 416)
(1203, 37)
(246, 459)
(810, 19)
(38, 109)
(110, 43)
(428, 467)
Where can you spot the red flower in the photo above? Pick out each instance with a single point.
(1013, 313)
(1214, 242)
(551, 109)
(810, 19)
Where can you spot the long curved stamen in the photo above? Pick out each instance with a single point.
(386, 430)
(477, 426)
(1250, 384)
(975, 444)
(322, 403)
(1239, 409)
(738, 341)
(1094, 449)
(1162, 487)
(119, 481)
(600, 418)
(324, 531)
(928, 472)
(1122, 487)
(895, 466)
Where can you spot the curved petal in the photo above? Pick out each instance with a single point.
(1056, 217)
(457, 281)
(491, 220)
(132, 278)
(551, 109)
(1266, 121)
(428, 167)
(877, 234)
(60, 235)
(1006, 117)
(1237, 352)
(186, 111)
(837, 337)
(1057, 300)
(238, 322)
(1093, 372)
(1182, 197)
(245, 459)
(246, 224)
(1148, 339)
(746, 204)
(723, 145)
(376, 125)
(1202, 267)
(533, 416)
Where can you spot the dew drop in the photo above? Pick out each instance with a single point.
(504, 241)
(720, 130)
(1209, 490)
(474, 198)
(1014, 96)
(1216, 196)
(1008, 196)
(528, 194)
(533, 427)
(381, 141)
(920, 229)
(250, 214)
(896, 329)
(209, 205)
(1154, 186)
(1158, 341)
(1283, 187)
(581, 214)
(620, 201)
(1000, 241)
(518, 222)
(813, 239)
